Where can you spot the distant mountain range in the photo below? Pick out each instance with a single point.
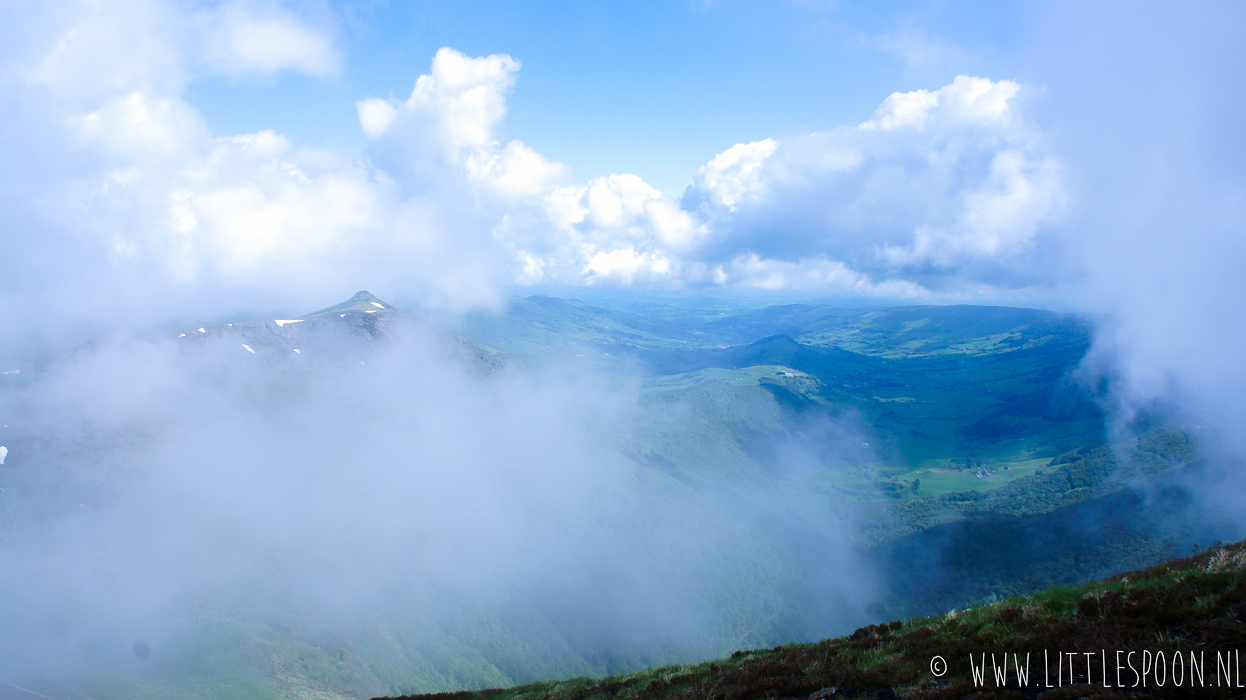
(336, 333)
(540, 323)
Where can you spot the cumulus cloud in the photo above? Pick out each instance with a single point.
(617, 227)
(735, 173)
(147, 215)
(938, 190)
(141, 127)
(461, 99)
(284, 207)
(965, 100)
(445, 129)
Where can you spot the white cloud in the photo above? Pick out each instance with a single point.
(939, 187)
(513, 170)
(144, 213)
(376, 115)
(140, 126)
(617, 227)
(735, 173)
(965, 100)
(445, 129)
(460, 101)
(811, 274)
(88, 51)
(251, 202)
(240, 40)
(626, 265)
(998, 219)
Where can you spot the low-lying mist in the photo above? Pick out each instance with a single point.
(408, 520)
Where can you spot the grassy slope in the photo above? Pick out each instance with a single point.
(999, 406)
(940, 384)
(1195, 604)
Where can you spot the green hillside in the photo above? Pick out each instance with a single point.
(939, 386)
(1098, 639)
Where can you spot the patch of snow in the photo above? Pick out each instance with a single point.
(229, 324)
(298, 351)
(341, 315)
(248, 348)
(183, 335)
(202, 331)
(376, 305)
(283, 322)
(4, 453)
(369, 311)
(11, 371)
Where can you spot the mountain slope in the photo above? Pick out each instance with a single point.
(339, 332)
(1063, 640)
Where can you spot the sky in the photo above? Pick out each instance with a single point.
(665, 144)
(651, 88)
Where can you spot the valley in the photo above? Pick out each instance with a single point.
(760, 475)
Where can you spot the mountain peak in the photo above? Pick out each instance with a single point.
(362, 301)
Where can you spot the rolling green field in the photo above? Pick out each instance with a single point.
(937, 481)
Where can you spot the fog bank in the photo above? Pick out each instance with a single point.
(163, 497)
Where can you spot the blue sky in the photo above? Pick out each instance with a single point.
(651, 88)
